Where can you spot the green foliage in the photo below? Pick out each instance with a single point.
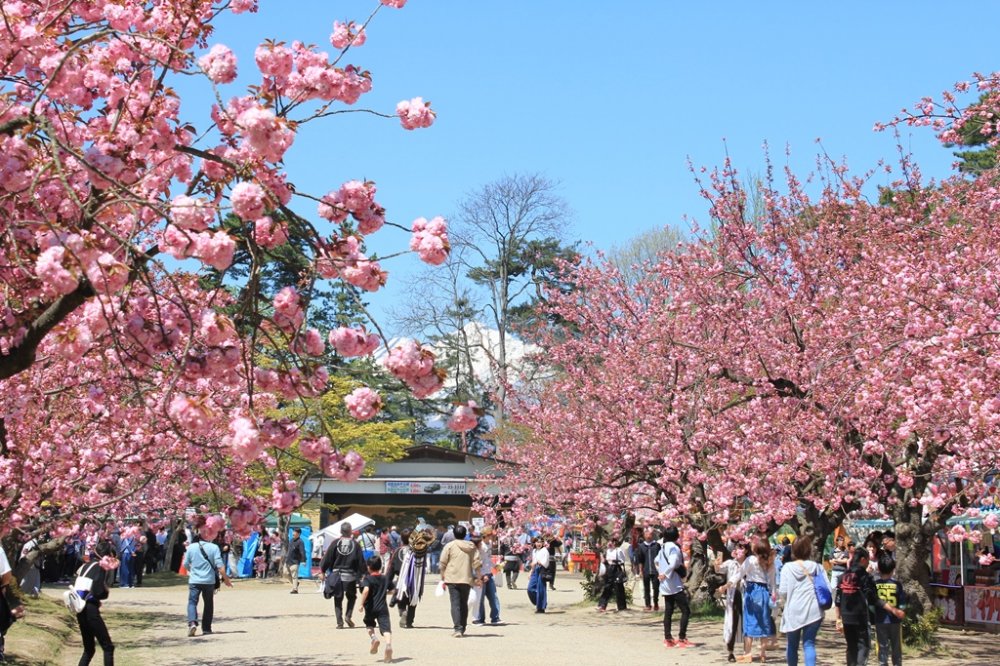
(978, 156)
(920, 631)
(708, 609)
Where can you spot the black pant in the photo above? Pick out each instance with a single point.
(511, 568)
(92, 628)
(459, 595)
(737, 619)
(889, 643)
(138, 568)
(681, 601)
(651, 580)
(351, 592)
(859, 644)
(552, 572)
(406, 614)
(618, 589)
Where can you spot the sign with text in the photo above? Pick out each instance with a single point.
(425, 488)
(982, 605)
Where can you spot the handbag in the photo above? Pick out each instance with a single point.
(75, 598)
(218, 580)
(824, 597)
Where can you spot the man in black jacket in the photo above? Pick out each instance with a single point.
(296, 556)
(645, 560)
(855, 591)
(344, 557)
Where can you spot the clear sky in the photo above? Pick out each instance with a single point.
(612, 99)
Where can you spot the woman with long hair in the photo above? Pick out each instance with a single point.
(732, 596)
(760, 594)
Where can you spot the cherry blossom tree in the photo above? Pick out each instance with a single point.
(127, 379)
(822, 357)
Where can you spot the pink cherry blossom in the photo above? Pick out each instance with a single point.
(991, 521)
(269, 234)
(415, 113)
(430, 240)
(219, 64)
(347, 34)
(248, 200)
(398, 4)
(464, 417)
(194, 213)
(351, 342)
(274, 60)
(363, 403)
(51, 270)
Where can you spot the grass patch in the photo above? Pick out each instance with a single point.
(707, 610)
(37, 639)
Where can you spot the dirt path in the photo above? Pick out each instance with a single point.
(261, 624)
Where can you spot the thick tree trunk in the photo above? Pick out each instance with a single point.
(702, 581)
(818, 525)
(914, 543)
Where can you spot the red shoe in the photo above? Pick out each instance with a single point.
(669, 642)
(648, 608)
(602, 610)
(683, 643)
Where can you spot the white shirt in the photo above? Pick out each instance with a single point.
(613, 555)
(4, 564)
(669, 558)
(754, 573)
(540, 557)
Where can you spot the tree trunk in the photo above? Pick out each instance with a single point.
(702, 581)
(818, 525)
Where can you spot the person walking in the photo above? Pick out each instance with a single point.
(374, 588)
(801, 616)
(888, 630)
(408, 577)
(434, 551)
(671, 571)
(126, 555)
(839, 559)
(459, 560)
(554, 545)
(93, 630)
(614, 576)
(760, 594)
(344, 557)
(855, 593)
(368, 542)
(489, 587)
(539, 569)
(645, 561)
(512, 562)
(203, 562)
(732, 595)
(296, 556)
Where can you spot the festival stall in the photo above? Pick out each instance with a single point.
(331, 532)
(967, 573)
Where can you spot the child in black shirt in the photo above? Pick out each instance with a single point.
(373, 598)
(887, 625)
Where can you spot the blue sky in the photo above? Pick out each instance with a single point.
(610, 99)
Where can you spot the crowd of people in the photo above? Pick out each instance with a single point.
(376, 570)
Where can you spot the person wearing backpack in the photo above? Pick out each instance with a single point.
(855, 591)
(93, 631)
(671, 571)
(802, 614)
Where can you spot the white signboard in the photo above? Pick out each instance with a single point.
(425, 488)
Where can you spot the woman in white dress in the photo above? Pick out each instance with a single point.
(732, 596)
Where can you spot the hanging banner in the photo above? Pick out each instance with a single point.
(982, 605)
(425, 488)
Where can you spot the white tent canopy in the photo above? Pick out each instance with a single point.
(332, 532)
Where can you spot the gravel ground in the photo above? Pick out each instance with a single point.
(261, 624)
